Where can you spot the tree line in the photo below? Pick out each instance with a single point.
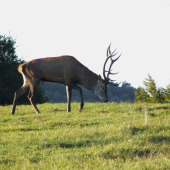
(57, 93)
(11, 80)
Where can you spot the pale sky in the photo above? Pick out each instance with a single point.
(139, 29)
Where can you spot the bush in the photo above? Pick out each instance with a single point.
(150, 93)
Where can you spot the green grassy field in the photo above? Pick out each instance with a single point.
(101, 136)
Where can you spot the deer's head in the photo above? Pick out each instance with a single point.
(101, 85)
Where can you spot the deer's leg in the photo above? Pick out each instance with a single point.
(69, 94)
(76, 87)
(18, 94)
(31, 95)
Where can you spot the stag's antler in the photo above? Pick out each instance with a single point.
(110, 55)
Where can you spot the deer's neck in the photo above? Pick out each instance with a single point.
(88, 79)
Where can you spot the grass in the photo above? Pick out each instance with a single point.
(101, 136)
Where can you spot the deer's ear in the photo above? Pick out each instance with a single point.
(99, 78)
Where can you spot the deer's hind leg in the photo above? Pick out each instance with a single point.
(33, 87)
(18, 94)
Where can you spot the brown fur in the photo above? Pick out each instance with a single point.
(65, 69)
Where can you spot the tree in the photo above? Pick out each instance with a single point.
(150, 88)
(150, 93)
(167, 93)
(10, 79)
(142, 96)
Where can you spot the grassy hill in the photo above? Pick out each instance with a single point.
(101, 136)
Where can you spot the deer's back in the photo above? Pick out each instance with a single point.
(55, 69)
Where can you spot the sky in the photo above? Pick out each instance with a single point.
(139, 30)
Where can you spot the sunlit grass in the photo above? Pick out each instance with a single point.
(101, 136)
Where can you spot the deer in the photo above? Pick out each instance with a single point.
(66, 70)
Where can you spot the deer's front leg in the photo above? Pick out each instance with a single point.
(69, 94)
(76, 87)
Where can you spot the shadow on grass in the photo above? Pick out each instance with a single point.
(86, 142)
(152, 108)
(52, 126)
(7, 161)
(137, 130)
(59, 110)
(159, 139)
(81, 123)
(158, 108)
(75, 145)
(146, 129)
(124, 153)
(20, 129)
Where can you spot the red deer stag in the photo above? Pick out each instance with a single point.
(66, 70)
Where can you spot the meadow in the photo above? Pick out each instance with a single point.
(99, 137)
